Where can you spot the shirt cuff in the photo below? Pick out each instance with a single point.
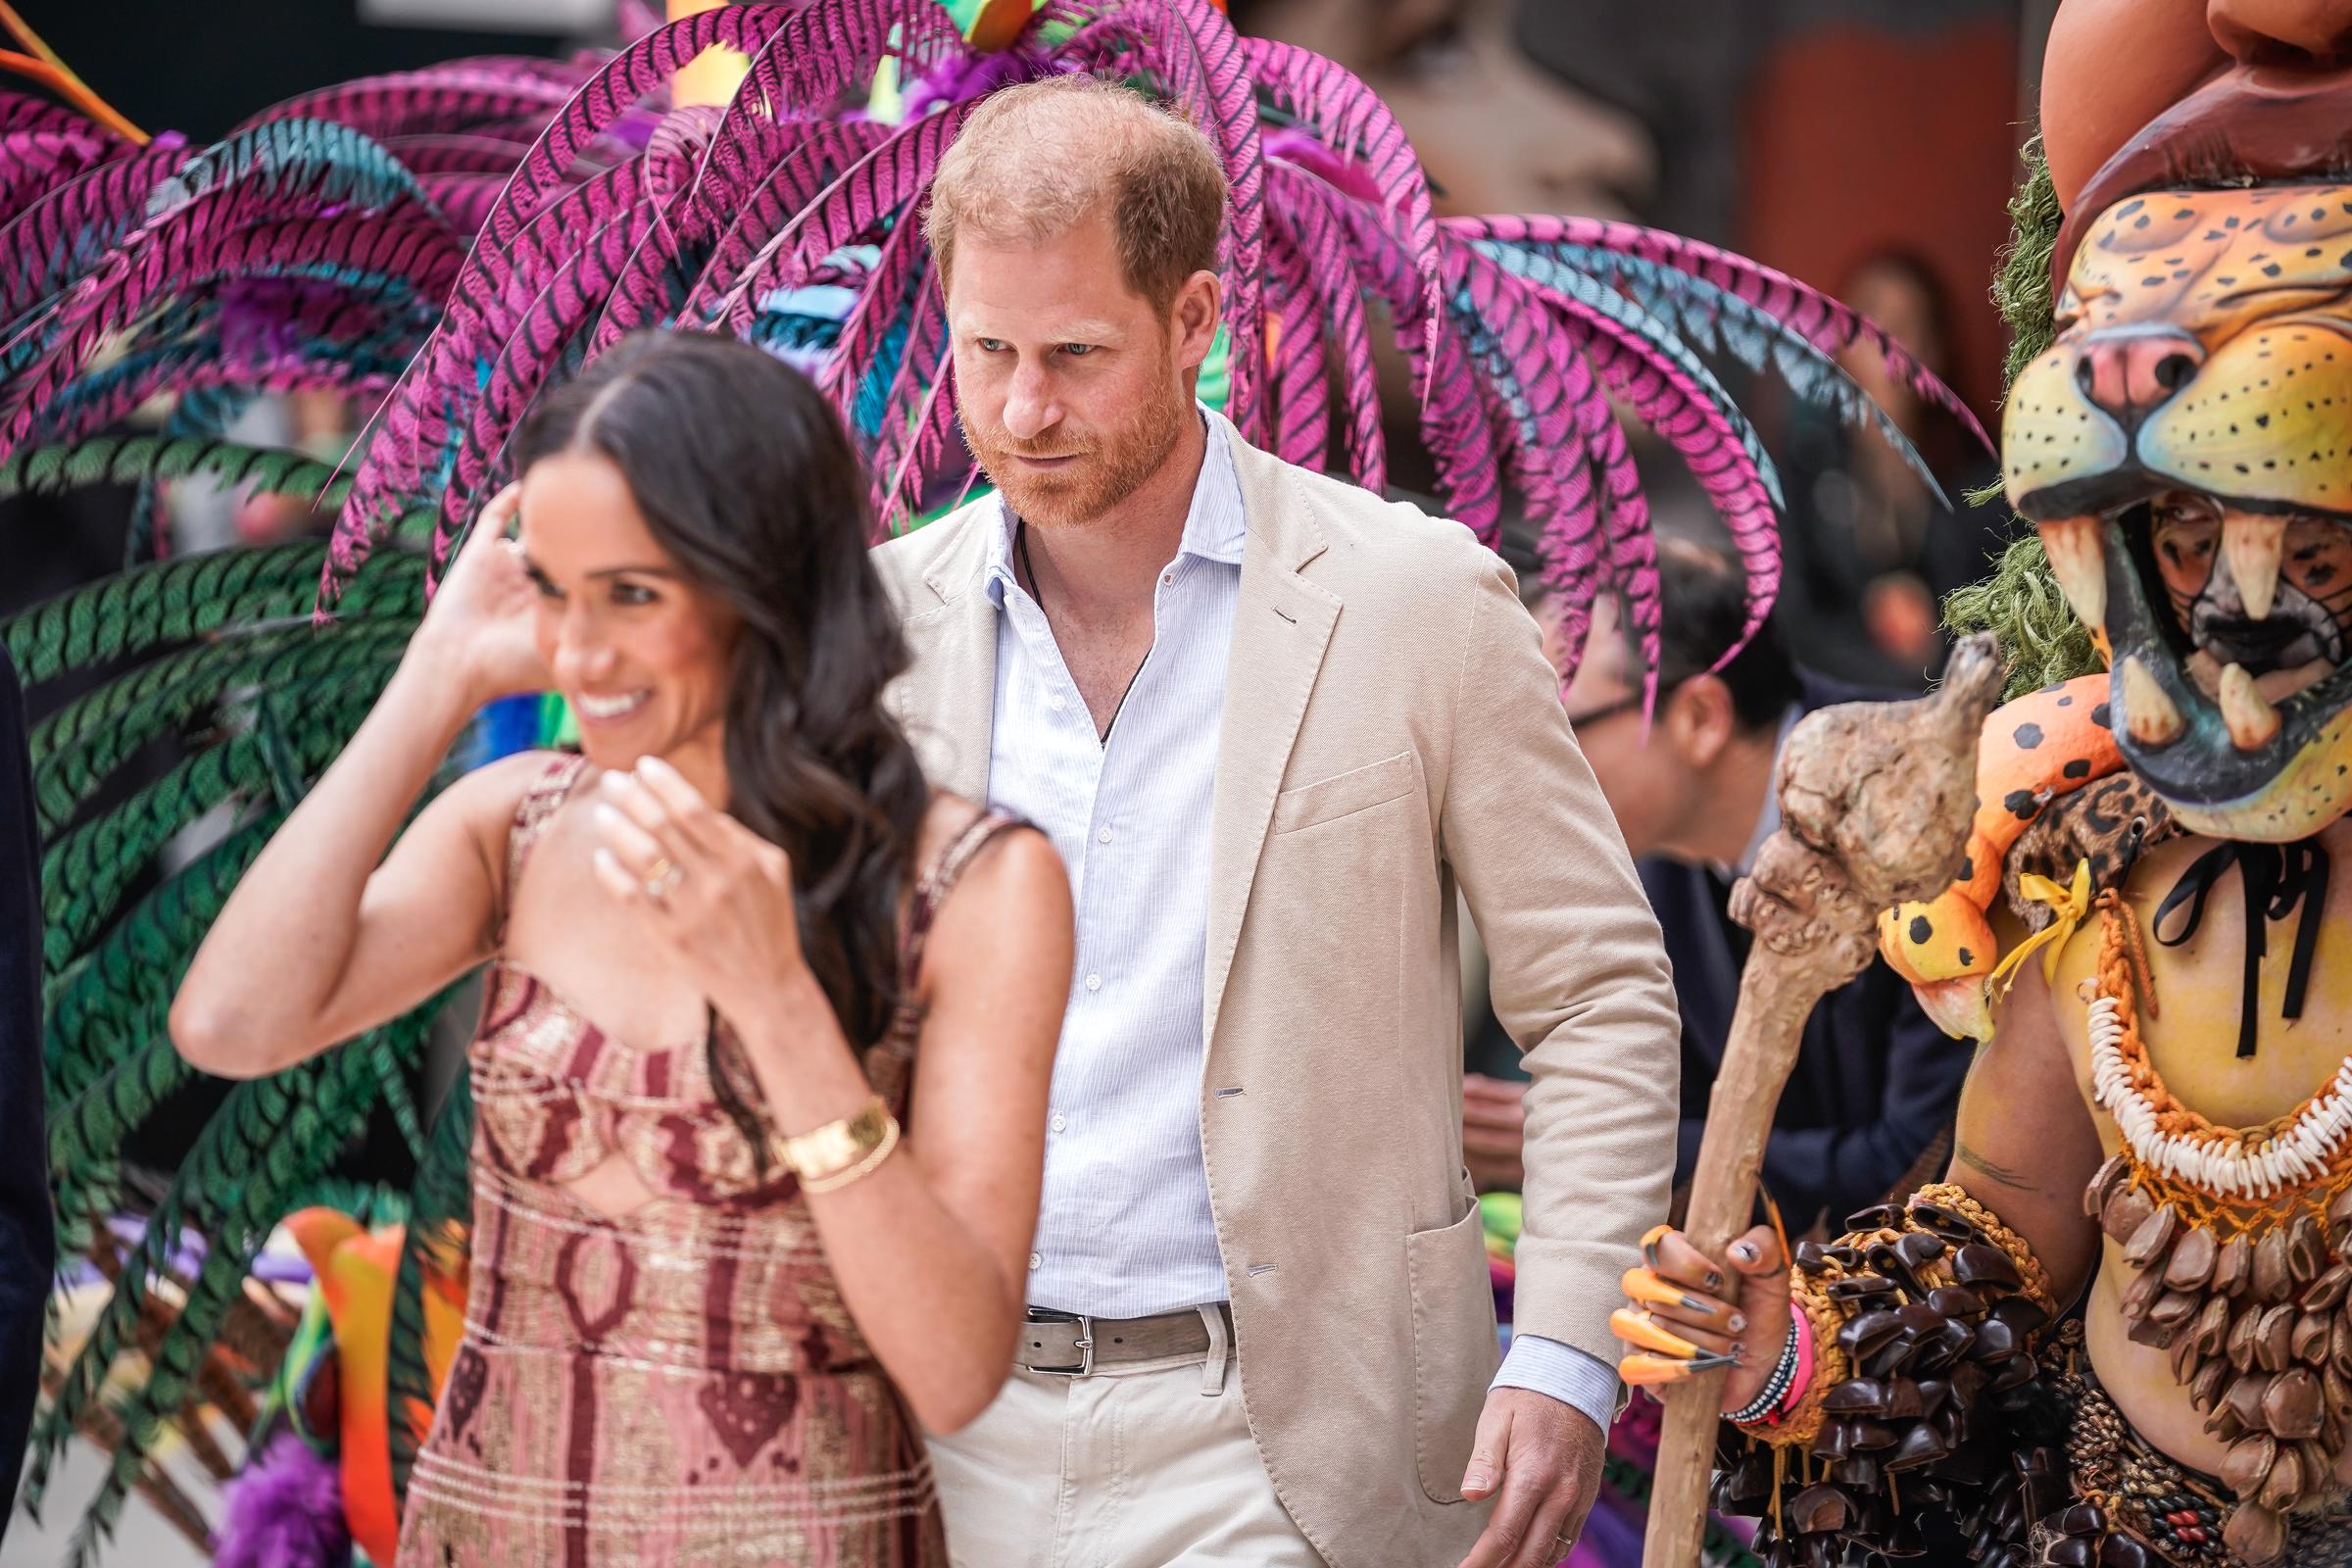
(1560, 1372)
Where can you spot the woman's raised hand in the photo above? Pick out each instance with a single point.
(478, 631)
(713, 894)
(1688, 1318)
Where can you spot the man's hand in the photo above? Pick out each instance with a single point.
(1543, 1460)
(1494, 1131)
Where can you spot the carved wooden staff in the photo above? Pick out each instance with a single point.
(1874, 806)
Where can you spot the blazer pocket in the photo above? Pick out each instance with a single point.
(1455, 1348)
(1344, 793)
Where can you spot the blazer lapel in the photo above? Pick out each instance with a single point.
(1281, 625)
(945, 701)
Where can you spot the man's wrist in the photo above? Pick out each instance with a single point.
(1582, 1382)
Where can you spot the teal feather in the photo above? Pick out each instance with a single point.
(1713, 319)
(1548, 272)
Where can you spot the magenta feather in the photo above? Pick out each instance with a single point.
(884, 184)
(1303, 223)
(520, 369)
(1299, 389)
(497, 284)
(177, 255)
(827, 49)
(49, 242)
(20, 110)
(614, 89)
(458, 97)
(676, 159)
(1822, 321)
(1454, 421)
(811, 157)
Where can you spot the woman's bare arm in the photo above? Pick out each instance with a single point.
(931, 1250)
(326, 936)
(2025, 1143)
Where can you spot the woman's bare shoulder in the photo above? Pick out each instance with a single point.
(1017, 868)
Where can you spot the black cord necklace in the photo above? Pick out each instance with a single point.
(1020, 556)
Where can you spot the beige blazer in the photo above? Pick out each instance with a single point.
(1391, 729)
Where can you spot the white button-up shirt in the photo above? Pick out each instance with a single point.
(1124, 1228)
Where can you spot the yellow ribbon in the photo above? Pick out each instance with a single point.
(2069, 905)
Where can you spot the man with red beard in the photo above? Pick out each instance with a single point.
(1271, 722)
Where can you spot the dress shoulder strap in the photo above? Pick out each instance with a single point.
(533, 812)
(939, 879)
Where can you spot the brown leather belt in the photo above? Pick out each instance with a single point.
(1074, 1346)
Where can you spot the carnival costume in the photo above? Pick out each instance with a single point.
(2174, 430)
(446, 245)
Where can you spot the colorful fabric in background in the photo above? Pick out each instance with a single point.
(443, 246)
(1613, 1530)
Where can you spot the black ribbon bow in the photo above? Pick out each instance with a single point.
(2279, 880)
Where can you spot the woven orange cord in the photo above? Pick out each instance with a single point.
(2123, 966)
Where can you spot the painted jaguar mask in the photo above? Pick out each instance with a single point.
(2186, 450)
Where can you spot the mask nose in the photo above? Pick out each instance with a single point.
(2293, 33)
(2129, 375)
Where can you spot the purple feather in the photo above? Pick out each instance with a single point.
(285, 1510)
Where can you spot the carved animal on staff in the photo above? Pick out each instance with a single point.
(2146, 931)
(443, 247)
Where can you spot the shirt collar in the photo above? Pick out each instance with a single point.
(1214, 526)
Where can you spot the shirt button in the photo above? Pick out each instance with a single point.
(1059, 1124)
(1094, 982)
(1058, 703)
(1167, 576)
(1102, 837)
(1035, 1261)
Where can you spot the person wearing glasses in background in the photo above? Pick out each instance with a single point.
(1875, 1083)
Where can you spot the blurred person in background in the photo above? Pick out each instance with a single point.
(1869, 552)
(1875, 1083)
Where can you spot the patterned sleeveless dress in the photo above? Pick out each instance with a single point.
(679, 1384)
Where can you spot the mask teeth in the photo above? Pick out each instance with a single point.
(2253, 545)
(2079, 558)
(2251, 719)
(2148, 712)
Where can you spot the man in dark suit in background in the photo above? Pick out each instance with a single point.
(1875, 1083)
(28, 1244)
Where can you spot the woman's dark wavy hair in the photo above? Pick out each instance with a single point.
(746, 479)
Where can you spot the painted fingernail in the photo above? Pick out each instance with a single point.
(1637, 1329)
(1738, 1322)
(1744, 1252)
(1713, 1282)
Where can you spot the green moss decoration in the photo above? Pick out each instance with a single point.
(2040, 640)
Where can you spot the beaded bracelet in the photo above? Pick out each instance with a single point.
(1803, 1325)
(1767, 1402)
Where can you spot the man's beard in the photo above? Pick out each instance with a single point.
(1114, 466)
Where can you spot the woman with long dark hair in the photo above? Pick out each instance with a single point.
(716, 1263)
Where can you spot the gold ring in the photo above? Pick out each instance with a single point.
(663, 881)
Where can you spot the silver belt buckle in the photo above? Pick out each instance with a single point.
(1084, 1345)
